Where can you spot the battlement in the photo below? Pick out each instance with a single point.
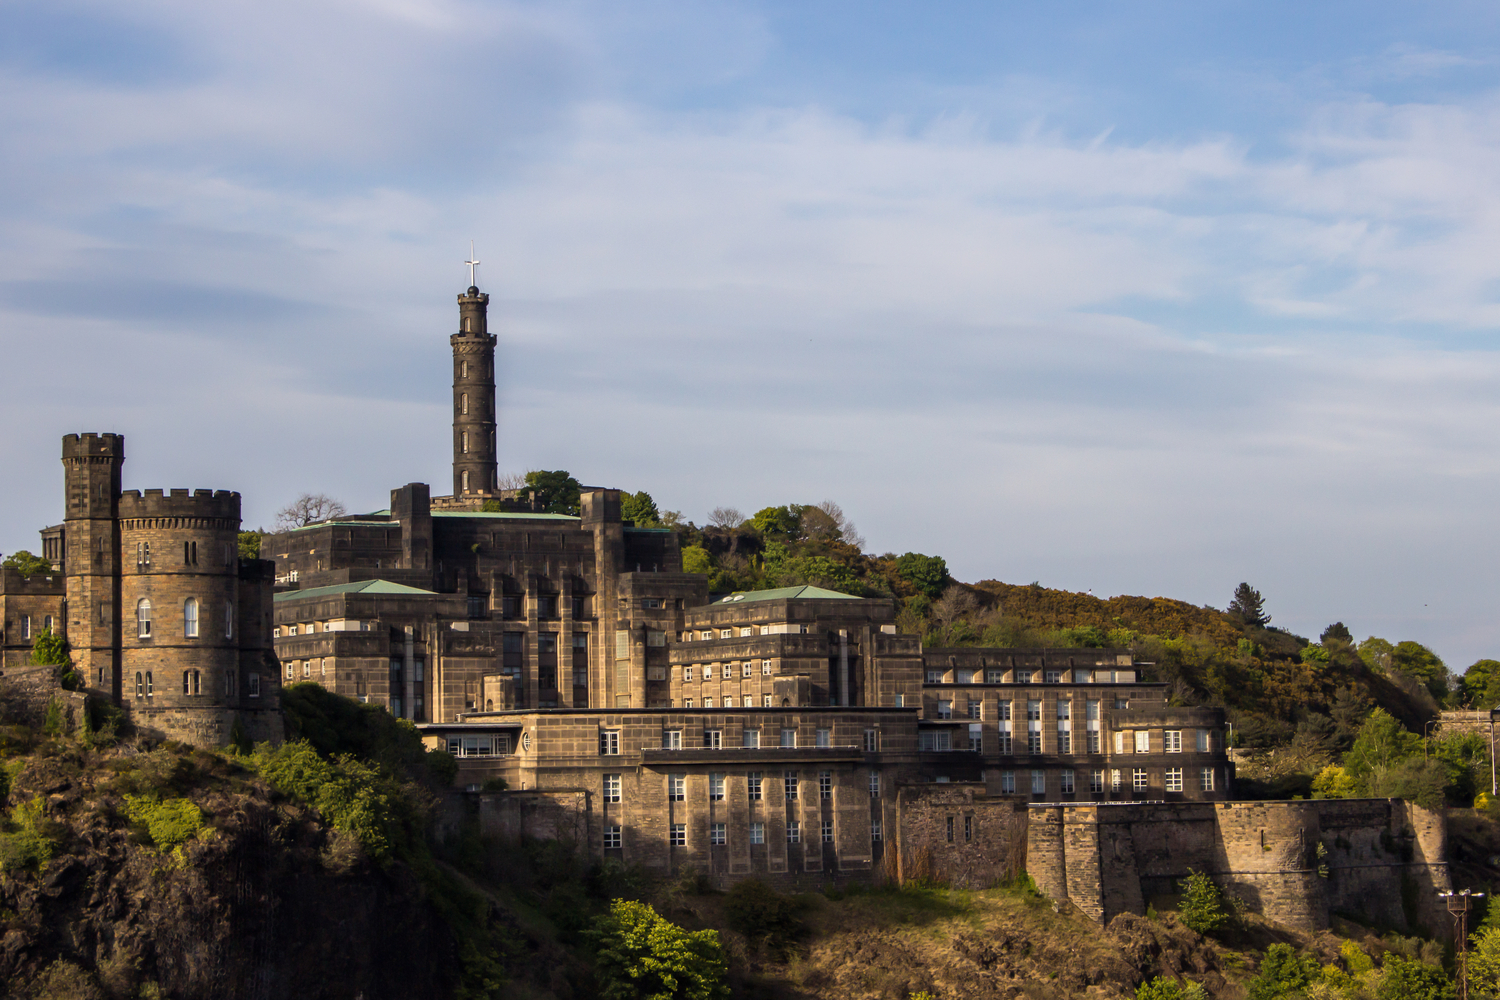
(77, 446)
(180, 503)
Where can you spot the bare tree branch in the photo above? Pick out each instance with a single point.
(726, 517)
(309, 508)
(847, 531)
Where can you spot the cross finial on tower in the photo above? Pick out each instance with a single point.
(473, 283)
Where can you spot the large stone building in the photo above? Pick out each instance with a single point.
(760, 733)
(162, 616)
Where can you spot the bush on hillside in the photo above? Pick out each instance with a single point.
(1282, 973)
(641, 955)
(764, 916)
(1202, 907)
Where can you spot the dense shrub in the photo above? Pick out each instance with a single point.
(643, 956)
(1202, 906)
(30, 841)
(1406, 979)
(350, 794)
(1166, 988)
(169, 823)
(1282, 972)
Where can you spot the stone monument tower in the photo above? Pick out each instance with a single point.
(474, 473)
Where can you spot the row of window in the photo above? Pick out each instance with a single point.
(718, 834)
(143, 619)
(745, 669)
(992, 675)
(750, 739)
(192, 683)
(754, 783)
(1062, 710)
(229, 557)
(1140, 780)
(778, 628)
(26, 625)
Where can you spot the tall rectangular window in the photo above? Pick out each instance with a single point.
(611, 837)
(1064, 726)
(1203, 741)
(1172, 741)
(1002, 713)
(713, 739)
(1096, 781)
(1065, 780)
(752, 784)
(190, 618)
(1206, 779)
(827, 831)
(875, 832)
(678, 835)
(1174, 779)
(717, 834)
(824, 737)
(750, 739)
(789, 737)
(872, 740)
(793, 832)
(1033, 727)
(1038, 782)
(790, 781)
(1142, 741)
(874, 784)
(1115, 781)
(945, 709)
(609, 742)
(975, 708)
(671, 739)
(716, 787)
(825, 784)
(611, 788)
(677, 787)
(757, 833)
(976, 736)
(1007, 782)
(1138, 780)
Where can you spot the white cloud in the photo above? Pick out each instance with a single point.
(1153, 367)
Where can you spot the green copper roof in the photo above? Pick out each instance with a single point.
(506, 515)
(362, 587)
(785, 593)
(345, 523)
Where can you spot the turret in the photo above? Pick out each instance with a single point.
(91, 563)
(474, 471)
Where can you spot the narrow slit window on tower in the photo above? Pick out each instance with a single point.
(463, 403)
(463, 366)
(143, 618)
(229, 621)
(465, 477)
(465, 445)
(190, 618)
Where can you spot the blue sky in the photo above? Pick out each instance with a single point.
(1145, 299)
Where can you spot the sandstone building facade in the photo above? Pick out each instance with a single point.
(767, 733)
(162, 616)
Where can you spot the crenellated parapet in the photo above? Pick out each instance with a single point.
(212, 509)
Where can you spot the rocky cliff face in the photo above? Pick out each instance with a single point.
(264, 901)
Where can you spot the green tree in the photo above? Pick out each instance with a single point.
(929, 574)
(1415, 779)
(1416, 660)
(249, 545)
(1484, 963)
(49, 649)
(695, 559)
(639, 509)
(556, 492)
(1248, 607)
(1333, 782)
(778, 522)
(1202, 907)
(1479, 687)
(640, 955)
(1382, 742)
(1406, 979)
(1376, 653)
(1283, 972)
(26, 564)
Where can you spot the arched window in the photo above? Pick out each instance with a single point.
(468, 325)
(139, 687)
(465, 442)
(463, 369)
(463, 403)
(464, 476)
(150, 688)
(190, 618)
(255, 685)
(229, 620)
(143, 618)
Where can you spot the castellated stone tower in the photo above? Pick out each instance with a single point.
(163, 616)
(91, 560)
(474, 473)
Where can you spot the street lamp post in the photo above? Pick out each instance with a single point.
(1494, 713)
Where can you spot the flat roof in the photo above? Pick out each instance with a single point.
(506, 515)
(362, 587)
(786, 593)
